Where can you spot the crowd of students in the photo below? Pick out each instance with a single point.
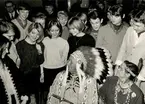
(93, 56)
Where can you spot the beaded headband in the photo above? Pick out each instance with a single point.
(128, 70)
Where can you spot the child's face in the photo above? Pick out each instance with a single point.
(41, 21)
(34, 35)
(137, 26)
(83, 18)
(95, 23)
(72, 65)
(73, 31)
(54, 31)
(23, 14)
(49, 9)
(116, 20)
(122, 73)
(10, 7)
(63, 20)
(9, 35)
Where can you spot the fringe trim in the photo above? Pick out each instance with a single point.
(8, 82)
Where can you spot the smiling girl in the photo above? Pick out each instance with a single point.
(31, 56)
(55, 52)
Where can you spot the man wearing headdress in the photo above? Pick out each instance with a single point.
(77, 84)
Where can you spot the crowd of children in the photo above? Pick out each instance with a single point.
(93, 56)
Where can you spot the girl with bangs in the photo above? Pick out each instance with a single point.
(78, 38)
(55, 54)
(30, 51)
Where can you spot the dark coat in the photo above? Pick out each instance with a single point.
(7, 16)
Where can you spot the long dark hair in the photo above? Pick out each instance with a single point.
(50, 24)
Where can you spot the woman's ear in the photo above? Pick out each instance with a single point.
(123, 16)
(128, 74)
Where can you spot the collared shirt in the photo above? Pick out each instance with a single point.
(12, 15)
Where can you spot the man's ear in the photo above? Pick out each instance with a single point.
(123, 16)
(17, 11)
(57, 19)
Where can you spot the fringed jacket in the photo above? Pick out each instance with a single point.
(8, 92)
(69, 94)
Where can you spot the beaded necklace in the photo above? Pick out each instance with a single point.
(118, 89)
(77, 41)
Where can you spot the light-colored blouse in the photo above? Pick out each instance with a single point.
(55, 52)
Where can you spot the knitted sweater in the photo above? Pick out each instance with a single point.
(23, 31)
(111, 39)
(55, 52)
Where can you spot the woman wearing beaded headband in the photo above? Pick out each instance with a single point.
(121, 89)
(78, 85)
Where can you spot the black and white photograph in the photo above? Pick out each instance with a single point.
(72, 51)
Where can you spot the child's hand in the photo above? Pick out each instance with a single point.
(38, 47)
(42, 78)
(24, 99)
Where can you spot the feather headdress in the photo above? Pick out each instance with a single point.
(92, 62)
